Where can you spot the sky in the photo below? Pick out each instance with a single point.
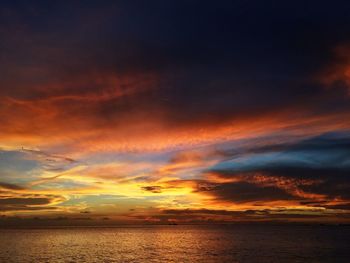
(152, 112)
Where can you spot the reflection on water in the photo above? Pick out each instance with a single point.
(178, 244)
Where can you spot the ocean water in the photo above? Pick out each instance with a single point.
(245, 243)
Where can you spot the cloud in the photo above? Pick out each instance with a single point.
(8, 186)
(123, 90)
(231, 216)
(246, 192)
(24, 201)
(49, 162)
(312, 172)
(153, 189)
(28, 203)
(210, 108)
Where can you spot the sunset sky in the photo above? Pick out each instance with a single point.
(174, 111)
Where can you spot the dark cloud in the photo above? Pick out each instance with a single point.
(213, 212)
(8, 186)
(27, 203)
(247, 192)
(213, 63)
(287, 183)
(242, 213)
(24, 201)
(319, 165)
(335, 145)
(338, 206)
(153, 189)
(250, 215)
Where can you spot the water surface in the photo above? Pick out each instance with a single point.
(245, 243)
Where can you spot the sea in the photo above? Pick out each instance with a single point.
(178, 243)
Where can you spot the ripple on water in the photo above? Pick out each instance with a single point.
(249, 243)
